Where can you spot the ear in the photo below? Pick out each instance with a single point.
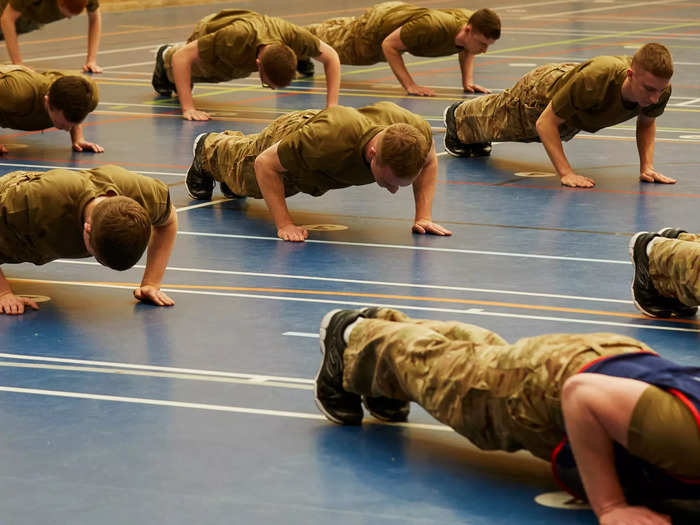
(87, 227)
(629, 72)
(371, 152)
(46, 101)
(257, 62)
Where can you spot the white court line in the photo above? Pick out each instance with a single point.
(374, 283)
(203, 406)
(12, 165)
(256, 378)
(202, 205)
(154, 47)
(150, 62)
(468, 311)
(688, 102)
(597, 9)
(301, 334)
(415, 248)
(165, 375)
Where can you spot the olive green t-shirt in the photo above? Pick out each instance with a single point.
(41, 214)
(328, 151)
(42, 11)
(589, 97)
(233, 36)
(22, 93)
(424, 32)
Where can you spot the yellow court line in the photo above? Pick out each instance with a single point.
(382, 296)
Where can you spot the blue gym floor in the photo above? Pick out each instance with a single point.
(117, 412)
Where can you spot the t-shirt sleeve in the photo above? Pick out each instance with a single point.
(231, 42)
(581, 92)
(92, 5)
(302, 42)
(314, 147)
(422, 35)
(17, 95)
(18, 5)
(657, 109)
(156, 199)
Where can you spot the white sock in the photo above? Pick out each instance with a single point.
(651, 243)
(349, 328)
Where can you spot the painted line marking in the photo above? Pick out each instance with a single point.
(522, 64)
(109, 52)
(203, 406)
(155, 368)
(689, 102)
(362, 281)
(301, 334)
(78, 168)
(472, 311)
(597, 9)
(414, 248)
(166, 375)
(150, 62)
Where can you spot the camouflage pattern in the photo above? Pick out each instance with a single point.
(348, 36)
(230, 156)
(511, 116)
(500, 396)
(674, 267)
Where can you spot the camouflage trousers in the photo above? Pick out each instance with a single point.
(230, 156)
(200, 71)
(674, 267)
(500, 396)
(511, 116)
(354, 37)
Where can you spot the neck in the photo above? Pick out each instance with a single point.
(87, 211)
(625, 91)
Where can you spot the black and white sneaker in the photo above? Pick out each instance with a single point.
(338, 405)
(387, 409)
(671, 233)
(227, 191)
(199, 184)
(160, 81)
(305, 67)
(646, 298)
(453, 145)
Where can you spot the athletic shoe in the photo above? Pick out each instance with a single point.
(453, 145)
(339, 406)
(199, 184)
(646, 298)
(671, 233)
(387, 409)
(305, 67)
(227, 191)
(480, 149)
(160, 81)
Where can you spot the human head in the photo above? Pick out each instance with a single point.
(400, 153)
(117, 232)
(482, 29)
(277, 64)
(70, 99)
(650, 74)
(70, 8)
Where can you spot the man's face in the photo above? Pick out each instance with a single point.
(645, 89)
(385, 178)
(476, 43)
(58, 119)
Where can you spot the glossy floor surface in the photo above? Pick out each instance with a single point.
(117, 412)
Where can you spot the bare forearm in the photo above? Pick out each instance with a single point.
(159, 249)
(646, 132)
(11, 42)
(466, 62)
(332, 70)
(182, 74)
(397, 65)
(272, 189)
(4, 285)
(76, 134)
(94, 32)
(549, 135)
(424, 190)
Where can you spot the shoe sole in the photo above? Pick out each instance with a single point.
(630, 249)
(444, 121)
(194, 149)
(322, 334)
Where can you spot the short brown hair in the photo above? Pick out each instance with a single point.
(120, 231)
(279, 63)
(74, 6)
(403, 149)
(486, 22)
(654, 58)
(74, 95)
